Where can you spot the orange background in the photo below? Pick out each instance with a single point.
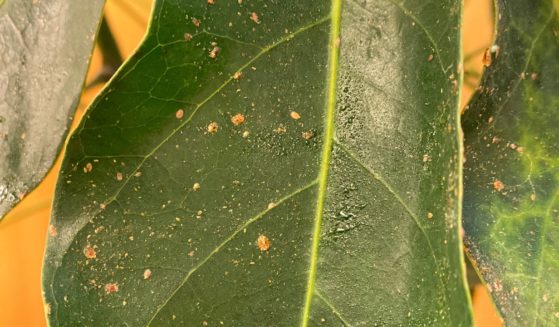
(23, 231)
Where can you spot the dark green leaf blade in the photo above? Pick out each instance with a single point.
(512, 164)
(45, 46)
(220, 179)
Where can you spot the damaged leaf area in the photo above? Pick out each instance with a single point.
(265, 163)
(45, 47)
(511, 205)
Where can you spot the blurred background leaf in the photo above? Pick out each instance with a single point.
(45, 50)
(23, 231)
(511, 173)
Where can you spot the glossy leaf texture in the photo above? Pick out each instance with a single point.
(269, 163)
(511, 172)
(45, 48)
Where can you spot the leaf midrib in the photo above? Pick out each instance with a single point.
(333, 58)
(322, 180)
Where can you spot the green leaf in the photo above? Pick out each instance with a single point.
(313, 211)
(45, 48)
(512, 166)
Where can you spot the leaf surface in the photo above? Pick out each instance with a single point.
(269, 163)
(45, 48)
(511, 177)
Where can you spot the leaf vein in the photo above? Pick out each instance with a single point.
(407, 209)
(408, 13)
(528, 60)
(247, 223)
(201, 104)
(539, 268)
(332, 307)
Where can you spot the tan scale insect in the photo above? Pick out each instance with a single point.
(89, 252)
(263, 243)
(238, 119)
(212, 127)
(111, 288)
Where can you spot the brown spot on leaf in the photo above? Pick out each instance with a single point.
(196, 22)
(238, 119)
(179, 114)
(237, 76)
(147, 274)
(89, 252)
(88, 167)
(498, 185)
(187, 37)
(430, 58)
(308, 135)
(212, 127)
(454, 84)
(52, 231)
(295, 115)
(280, 130)
(263, 243)
(486, 59)
(119, 176)
(254, 18)
(214, 52)
(111, 288)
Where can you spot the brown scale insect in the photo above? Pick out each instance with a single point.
(111, 288)
(89, 252)
(254, 18)
(212, 127)
(263, 243)
(486, 60)
(238, 119)
(498, 185)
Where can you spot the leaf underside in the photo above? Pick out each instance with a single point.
(511, 205)
(334, 199)
(45, 48)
